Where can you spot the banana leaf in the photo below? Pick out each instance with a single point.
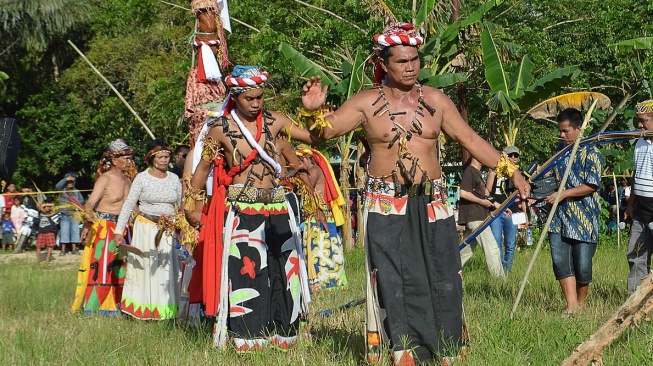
(522, 78)
(547, 85)
(447, 42)
(580, 100)
(307, 67)
(642, 43)
(494, 72)
(424, 11)
(444, 80)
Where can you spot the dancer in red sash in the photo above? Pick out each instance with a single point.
(253, 277)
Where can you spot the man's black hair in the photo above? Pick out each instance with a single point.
(571, 115)
(385, 54)
(181, 146)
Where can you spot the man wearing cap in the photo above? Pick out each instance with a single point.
(640, 202)
(574, 230)
(71, 202)
(254, 274)
(413, 281)
(503, 229)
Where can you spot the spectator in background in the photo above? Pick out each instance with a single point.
(610, 195)
(47, 228)
(640, 202)
(474, 207)
(624, 194)
(503, 228)
(574, 230)
(9, 196)
(18, 213)
(71, 202)
(8, 232)
(181, 152)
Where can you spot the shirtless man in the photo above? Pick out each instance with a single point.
(411, 246)
(259, 280)
(99, 279)
(323, 247)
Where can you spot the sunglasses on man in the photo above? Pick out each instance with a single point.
(513, 155)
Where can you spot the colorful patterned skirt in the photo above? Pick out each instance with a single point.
(266, 299)
(101, 274)
(414, 288)
(152, 284)
(324, 254)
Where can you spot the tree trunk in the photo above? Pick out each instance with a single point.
(635, 309)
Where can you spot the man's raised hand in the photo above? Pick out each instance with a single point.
(313, 93)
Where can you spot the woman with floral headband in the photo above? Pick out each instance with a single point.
(151, 288)
(101, 273)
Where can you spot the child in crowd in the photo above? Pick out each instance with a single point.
(47, 228)
(17, 213)
(8, 231)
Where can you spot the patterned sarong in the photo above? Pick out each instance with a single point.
(414, 289)
(152, 282)
(267, 298)
(324, 254)
(101, 274)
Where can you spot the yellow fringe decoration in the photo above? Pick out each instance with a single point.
(318, 116)
(210, 150)
(505, 167)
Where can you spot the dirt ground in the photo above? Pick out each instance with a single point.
(30, 256)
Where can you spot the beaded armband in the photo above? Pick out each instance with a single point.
(318, 116)
(210, 149)
(505, 167)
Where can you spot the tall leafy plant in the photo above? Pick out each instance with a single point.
(513, 93)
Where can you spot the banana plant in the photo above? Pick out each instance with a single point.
(511, 94)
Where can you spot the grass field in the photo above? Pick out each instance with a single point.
(38, 328)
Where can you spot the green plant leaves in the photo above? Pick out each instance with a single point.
(307, 67)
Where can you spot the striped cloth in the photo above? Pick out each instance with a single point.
(643, 157)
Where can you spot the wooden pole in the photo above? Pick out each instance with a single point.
(637, 308)
(616, 192)
(563, 182)
(147, 129)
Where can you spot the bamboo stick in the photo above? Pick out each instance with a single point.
(616, 192)
(147, 129)
(563, 182)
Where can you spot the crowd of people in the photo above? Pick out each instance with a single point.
(256, 220)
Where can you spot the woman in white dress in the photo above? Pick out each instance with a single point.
(151, 289)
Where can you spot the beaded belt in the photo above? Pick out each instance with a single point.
(106, 216)
(256, 195)
(432, 188)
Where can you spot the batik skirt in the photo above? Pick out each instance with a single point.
(101, 274)
(324, 254)
(414, 288)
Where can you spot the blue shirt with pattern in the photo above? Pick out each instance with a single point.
(578, 217)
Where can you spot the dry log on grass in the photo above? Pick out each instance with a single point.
(636, 308)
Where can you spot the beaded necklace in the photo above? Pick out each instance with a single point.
(403, 135)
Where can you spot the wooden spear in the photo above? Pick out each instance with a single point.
(149, 132)
(563, 182)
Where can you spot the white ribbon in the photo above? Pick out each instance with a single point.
(254, 144)
(211, 69)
